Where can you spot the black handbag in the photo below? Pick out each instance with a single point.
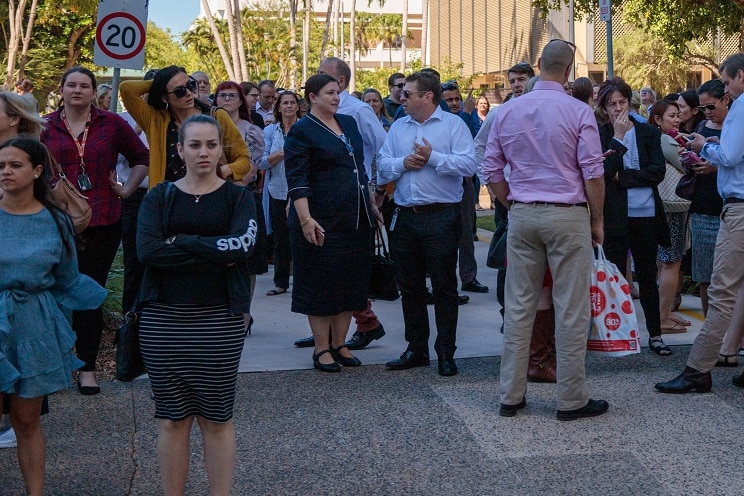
(382, 277)
(496, 258)
(129, 364)
(686, 185)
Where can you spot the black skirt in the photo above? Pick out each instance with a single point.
(192, 354)
(332, 278)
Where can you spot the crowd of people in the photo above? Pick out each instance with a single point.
(203, 188)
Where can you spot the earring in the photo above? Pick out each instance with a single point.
(36, 176)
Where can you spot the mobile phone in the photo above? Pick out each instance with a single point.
(608, 153)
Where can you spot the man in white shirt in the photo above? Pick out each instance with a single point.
(266, 99)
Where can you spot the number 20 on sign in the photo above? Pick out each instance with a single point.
(120, 34)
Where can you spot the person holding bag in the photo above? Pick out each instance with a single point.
(86, 142)
(195, 244)
(39, 282)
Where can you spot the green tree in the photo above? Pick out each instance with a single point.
(161, 49)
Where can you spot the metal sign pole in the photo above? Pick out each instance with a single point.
(115, 90)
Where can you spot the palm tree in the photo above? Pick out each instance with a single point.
(218, 41)
(403, 37)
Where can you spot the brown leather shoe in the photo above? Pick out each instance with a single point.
(542, 348)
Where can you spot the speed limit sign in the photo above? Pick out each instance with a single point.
(120, 34)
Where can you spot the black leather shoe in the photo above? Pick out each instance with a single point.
(447, 366)
(87, 390)
(689, 381)
(474, 287)
(591, 409)
(462, 299)
(738, 380)
(346, 362)
(360, 339)
(305, 342)
(325, 367)
(409, 360)
(511, 410)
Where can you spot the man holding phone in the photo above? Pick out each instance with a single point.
(428, 153)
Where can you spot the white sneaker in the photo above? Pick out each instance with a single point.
(8, 439)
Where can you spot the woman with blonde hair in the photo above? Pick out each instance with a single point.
(17, 116)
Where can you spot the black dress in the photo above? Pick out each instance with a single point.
(328, 170)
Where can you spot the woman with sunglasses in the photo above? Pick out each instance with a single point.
(330, 221)
(287, 113)
(86, 142)
(229, 96)
(171, 99)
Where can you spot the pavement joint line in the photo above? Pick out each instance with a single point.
(132, 445)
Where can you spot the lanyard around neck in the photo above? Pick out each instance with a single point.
(80, 145)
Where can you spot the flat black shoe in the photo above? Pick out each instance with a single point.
(462, 299)
(689, 381)
(409, 360)
(474, 287)
(738, 380)
(511, 410)
(591, 409)
(305, 342)
(325, 367)
(447, 366)
(346, 362)
(361, 339)
(87, 390)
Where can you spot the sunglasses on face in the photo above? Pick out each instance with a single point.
(407, 94)
(180, 91)
(228, 96)
(711, 106)
(399, 85)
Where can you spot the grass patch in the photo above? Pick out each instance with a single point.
(115, 287)
(485, 222)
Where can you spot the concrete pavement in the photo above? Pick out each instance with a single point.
(370, 431)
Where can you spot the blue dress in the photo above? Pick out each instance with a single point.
(39, 287)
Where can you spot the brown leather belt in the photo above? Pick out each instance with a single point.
(732, 199)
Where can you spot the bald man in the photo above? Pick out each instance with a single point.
(556, 180)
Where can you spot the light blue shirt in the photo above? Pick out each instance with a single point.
(729, 154)
(370, 127)
(440, 180)
(276, 180)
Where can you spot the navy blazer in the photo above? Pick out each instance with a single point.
(651, 173)
(320, 167)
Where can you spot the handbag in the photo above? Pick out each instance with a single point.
(129, 363)
(382, 284)
(672, 202)
(70, 200)
(686, 184)
(496, 258)
(613, 329)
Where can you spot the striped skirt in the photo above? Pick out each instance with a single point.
(191, 353)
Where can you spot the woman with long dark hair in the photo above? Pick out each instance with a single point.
(39, 278)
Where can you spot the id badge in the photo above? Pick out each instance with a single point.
(394, 220)
(84, 182)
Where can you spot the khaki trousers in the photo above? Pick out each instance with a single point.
(727, 278)
(559, 237)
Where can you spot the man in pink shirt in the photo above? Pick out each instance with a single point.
(551, 142)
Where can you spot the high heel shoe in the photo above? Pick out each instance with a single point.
(248, 328)
(345, 361)
(325, 367)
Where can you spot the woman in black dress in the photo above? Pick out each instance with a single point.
(330, 221)
(195, 236)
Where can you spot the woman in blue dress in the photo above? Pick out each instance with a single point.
(39, 287)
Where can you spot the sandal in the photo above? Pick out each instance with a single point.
(276, 291)
(679, 320)
(657, 346)
(727, 361)
(675, 328)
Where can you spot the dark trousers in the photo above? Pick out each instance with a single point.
(642, 242)
(133, 269)
(500, 213)
(282, 256)
(467, 265)
(421, 242)
(96, 249)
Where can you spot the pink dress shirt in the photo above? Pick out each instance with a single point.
(550, 140)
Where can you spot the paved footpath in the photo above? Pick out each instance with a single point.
(370, 431)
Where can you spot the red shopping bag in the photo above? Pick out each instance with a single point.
(613, 330)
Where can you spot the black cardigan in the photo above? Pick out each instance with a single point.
(651, 173)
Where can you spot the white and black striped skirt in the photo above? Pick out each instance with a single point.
(191, 353)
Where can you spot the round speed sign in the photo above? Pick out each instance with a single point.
(120, 35)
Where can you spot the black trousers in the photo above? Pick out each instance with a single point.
(642, 242)
(421, 242)
(280, 232)
(96, 249)
(133, 269)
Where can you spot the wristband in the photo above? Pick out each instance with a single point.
(302, 223)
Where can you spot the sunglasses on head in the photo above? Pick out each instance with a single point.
(180, 91)
(570, 45)
(711, 106)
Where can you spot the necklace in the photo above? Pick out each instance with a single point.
(198, 197)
